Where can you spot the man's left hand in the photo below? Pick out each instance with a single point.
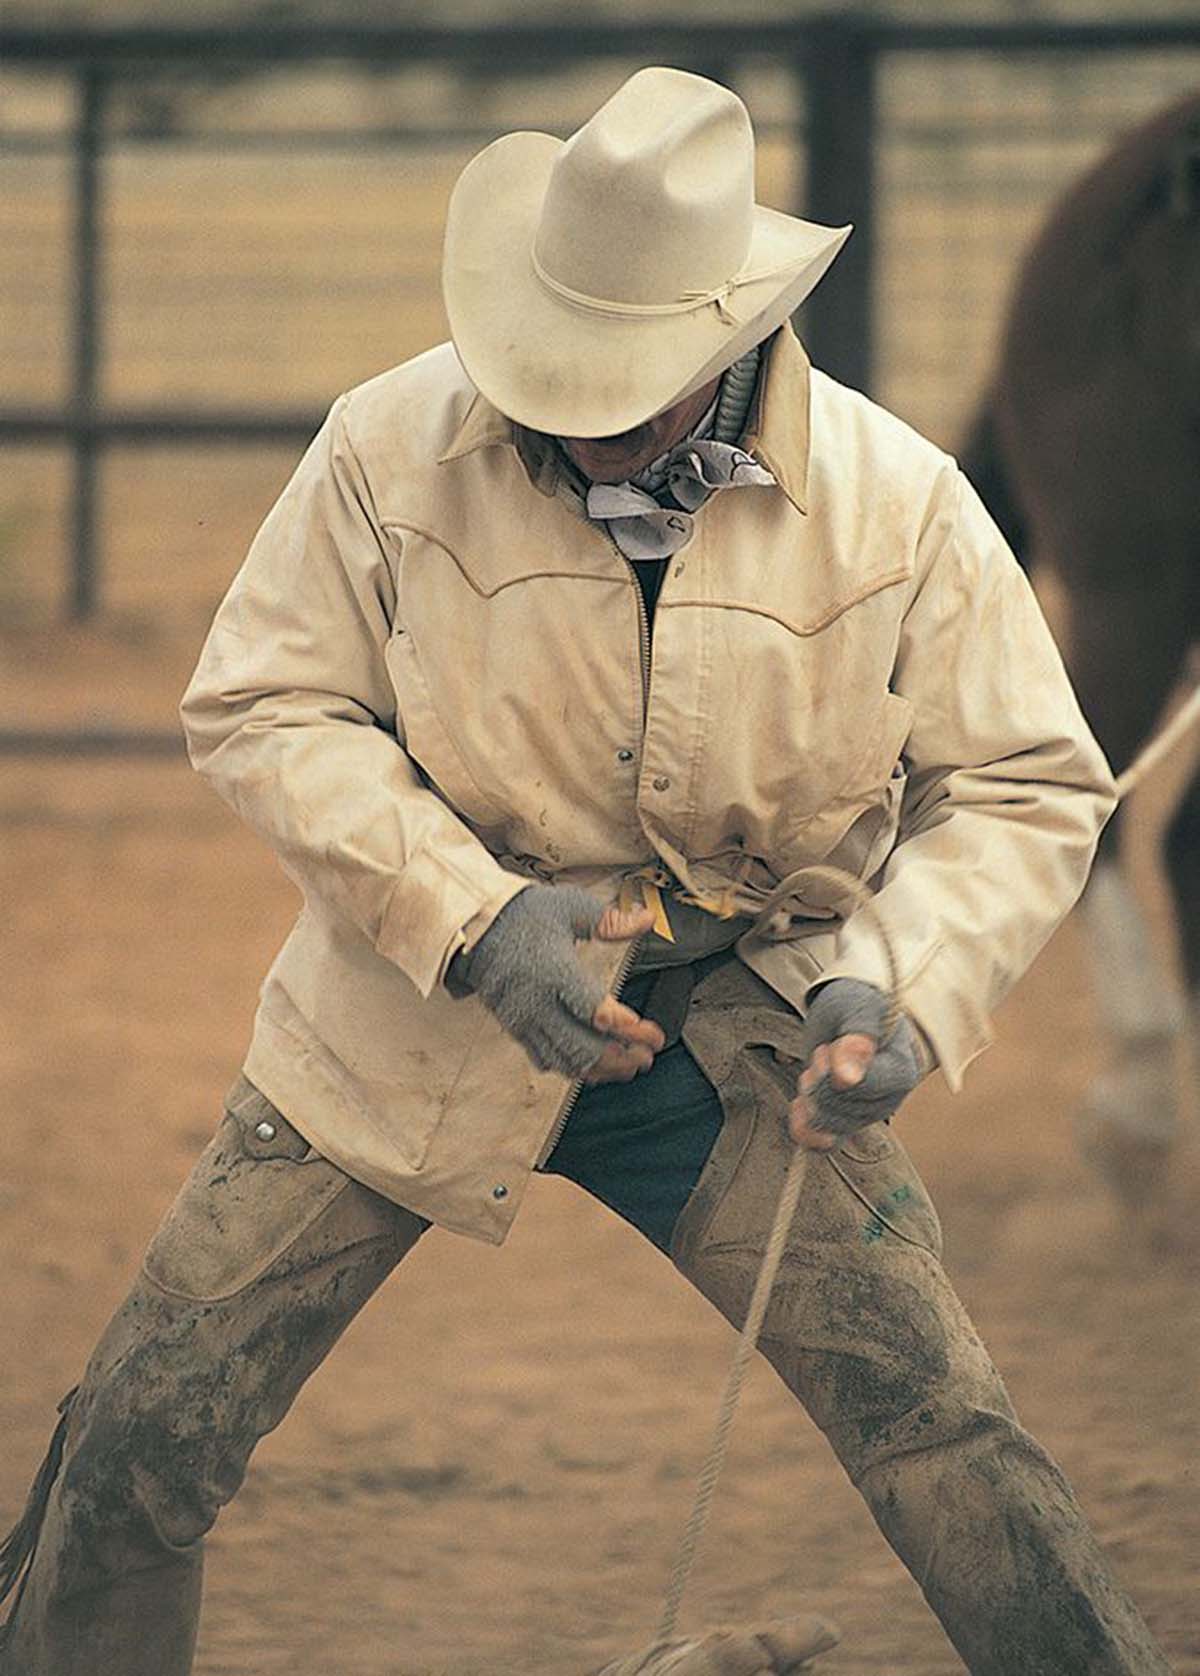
(851, 1078)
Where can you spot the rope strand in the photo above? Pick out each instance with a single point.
(760, 1298)
(1181, 723)
(706, 1485)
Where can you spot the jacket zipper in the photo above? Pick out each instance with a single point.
(643, 634)
(577, 1087)
(643, 619)
(630, 955)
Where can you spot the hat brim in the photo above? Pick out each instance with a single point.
(569, 371)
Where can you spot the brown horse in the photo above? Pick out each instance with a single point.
(1087, 448)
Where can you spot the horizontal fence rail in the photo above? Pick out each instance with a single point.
(526, 44)
(833, 62)
(93, 742)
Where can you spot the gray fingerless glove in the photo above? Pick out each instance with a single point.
(525, 970)
(849, 1007)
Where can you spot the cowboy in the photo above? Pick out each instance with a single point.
(572, 657)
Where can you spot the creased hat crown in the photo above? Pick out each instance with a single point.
(653, 198)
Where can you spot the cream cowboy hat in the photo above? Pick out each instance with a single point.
(594, 282)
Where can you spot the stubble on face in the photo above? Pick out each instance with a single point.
(612, 459)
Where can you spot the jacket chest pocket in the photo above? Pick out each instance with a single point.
(859, 817)
(872, 775)
(809, 731)
(429, 741)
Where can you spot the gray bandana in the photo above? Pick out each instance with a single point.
(693, 470)
(652, 514)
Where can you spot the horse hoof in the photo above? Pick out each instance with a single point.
(782, 1648)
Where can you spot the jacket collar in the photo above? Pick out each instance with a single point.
(777, 429)
(486, 427)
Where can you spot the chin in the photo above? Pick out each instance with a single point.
(607, 469)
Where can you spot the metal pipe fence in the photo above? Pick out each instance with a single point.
(837, 121)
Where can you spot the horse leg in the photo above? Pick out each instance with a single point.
(1127, 1120)
(1127, 652)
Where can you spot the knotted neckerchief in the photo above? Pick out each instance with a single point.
(650, 516)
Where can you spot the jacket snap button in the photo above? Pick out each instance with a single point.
(264, 1130)
(624, 756)
(661, 783)
(500, 1191)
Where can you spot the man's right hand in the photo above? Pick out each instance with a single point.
(526, 971)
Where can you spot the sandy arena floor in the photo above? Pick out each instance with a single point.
(489, 1474)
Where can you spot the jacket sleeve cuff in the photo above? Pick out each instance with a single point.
(438, 908)
(951, 1028)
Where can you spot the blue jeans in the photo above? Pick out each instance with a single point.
(640, 1147)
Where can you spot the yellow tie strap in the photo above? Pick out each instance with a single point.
(643, 890)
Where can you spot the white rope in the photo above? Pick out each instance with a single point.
(689, 1543)
(789, 1197)
(1181, 723)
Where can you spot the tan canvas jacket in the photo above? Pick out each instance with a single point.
(432, 680)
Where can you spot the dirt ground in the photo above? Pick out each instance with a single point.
(489, 1474)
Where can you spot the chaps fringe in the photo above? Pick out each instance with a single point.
(16, 1551)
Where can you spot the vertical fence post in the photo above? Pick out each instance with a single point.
(837, 71)
(85, 358)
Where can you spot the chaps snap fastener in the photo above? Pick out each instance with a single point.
(500, 1191)
(264, 1130)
